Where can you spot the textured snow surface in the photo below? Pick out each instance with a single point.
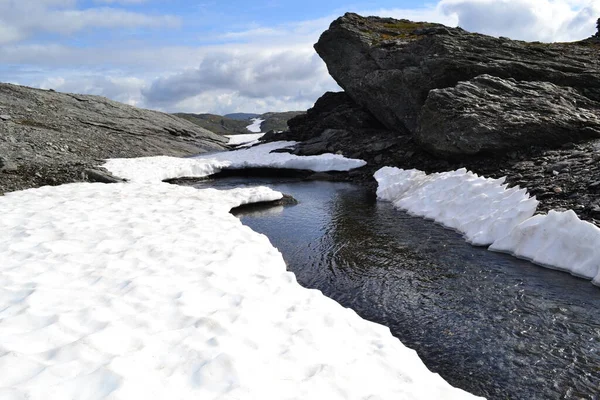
(558, 240)
(488, 213)
(154, 291)
(261, 157)
(255, 126)
(482, 209)
(156, 169)
(236, 140)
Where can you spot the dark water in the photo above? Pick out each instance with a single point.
(489, 323)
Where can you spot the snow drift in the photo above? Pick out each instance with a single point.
(487, 212)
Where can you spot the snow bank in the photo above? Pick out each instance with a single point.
(486, 212)
(236, 140)
(156, 169)
(558, 240)
(155, 291)
(480, 208)
(255, 125)
(261, 157)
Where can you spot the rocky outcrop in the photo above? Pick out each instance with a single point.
(391, 68)
(337, 124)
(333, 110)
(489, 114)
(277, 121)
(52, 138)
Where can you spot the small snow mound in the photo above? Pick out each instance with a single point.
(238, 140)
(255, 125)
(558, 240)
(262, 156)
(157, 169)
(482, 209)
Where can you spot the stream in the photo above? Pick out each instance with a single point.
(489, 323)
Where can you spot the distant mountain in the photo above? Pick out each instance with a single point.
(241, 116)
(277, 121)
(217, 123)
(226, 125)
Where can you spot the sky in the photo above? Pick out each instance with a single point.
(228, 56)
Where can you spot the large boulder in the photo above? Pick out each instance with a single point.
(390, 66)
(489, 114)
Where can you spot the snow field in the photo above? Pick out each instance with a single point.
(488, 213)
(254, 127)
(155, 291)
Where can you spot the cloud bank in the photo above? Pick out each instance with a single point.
(257, 69)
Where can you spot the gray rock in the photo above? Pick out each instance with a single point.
(390, 67)
(96, 175)
(5, 117)
(69, 133)
(333, 110)
(490, 114)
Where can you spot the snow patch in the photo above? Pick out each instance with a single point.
(255, 125)
(262, 157)
(482, 209)
(165, 294)
(157, 169)
(237, 140)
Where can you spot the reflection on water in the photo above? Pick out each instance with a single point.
(487, 322)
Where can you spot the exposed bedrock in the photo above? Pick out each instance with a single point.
(50, 138)
(488, 114)
(391, 67)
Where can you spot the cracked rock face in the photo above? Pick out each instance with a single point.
(392, 68)
(52, 138)
(489, 114)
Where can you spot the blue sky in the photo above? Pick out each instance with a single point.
(228, 56)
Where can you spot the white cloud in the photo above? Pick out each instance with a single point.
(9, 34)
(126, 89)
(262, 68)
(24, 18)
(226, 101)
(543, 20)
(296, 75)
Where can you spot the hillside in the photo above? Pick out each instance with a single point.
(217, 123)
(50, 138)
(224, 125)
